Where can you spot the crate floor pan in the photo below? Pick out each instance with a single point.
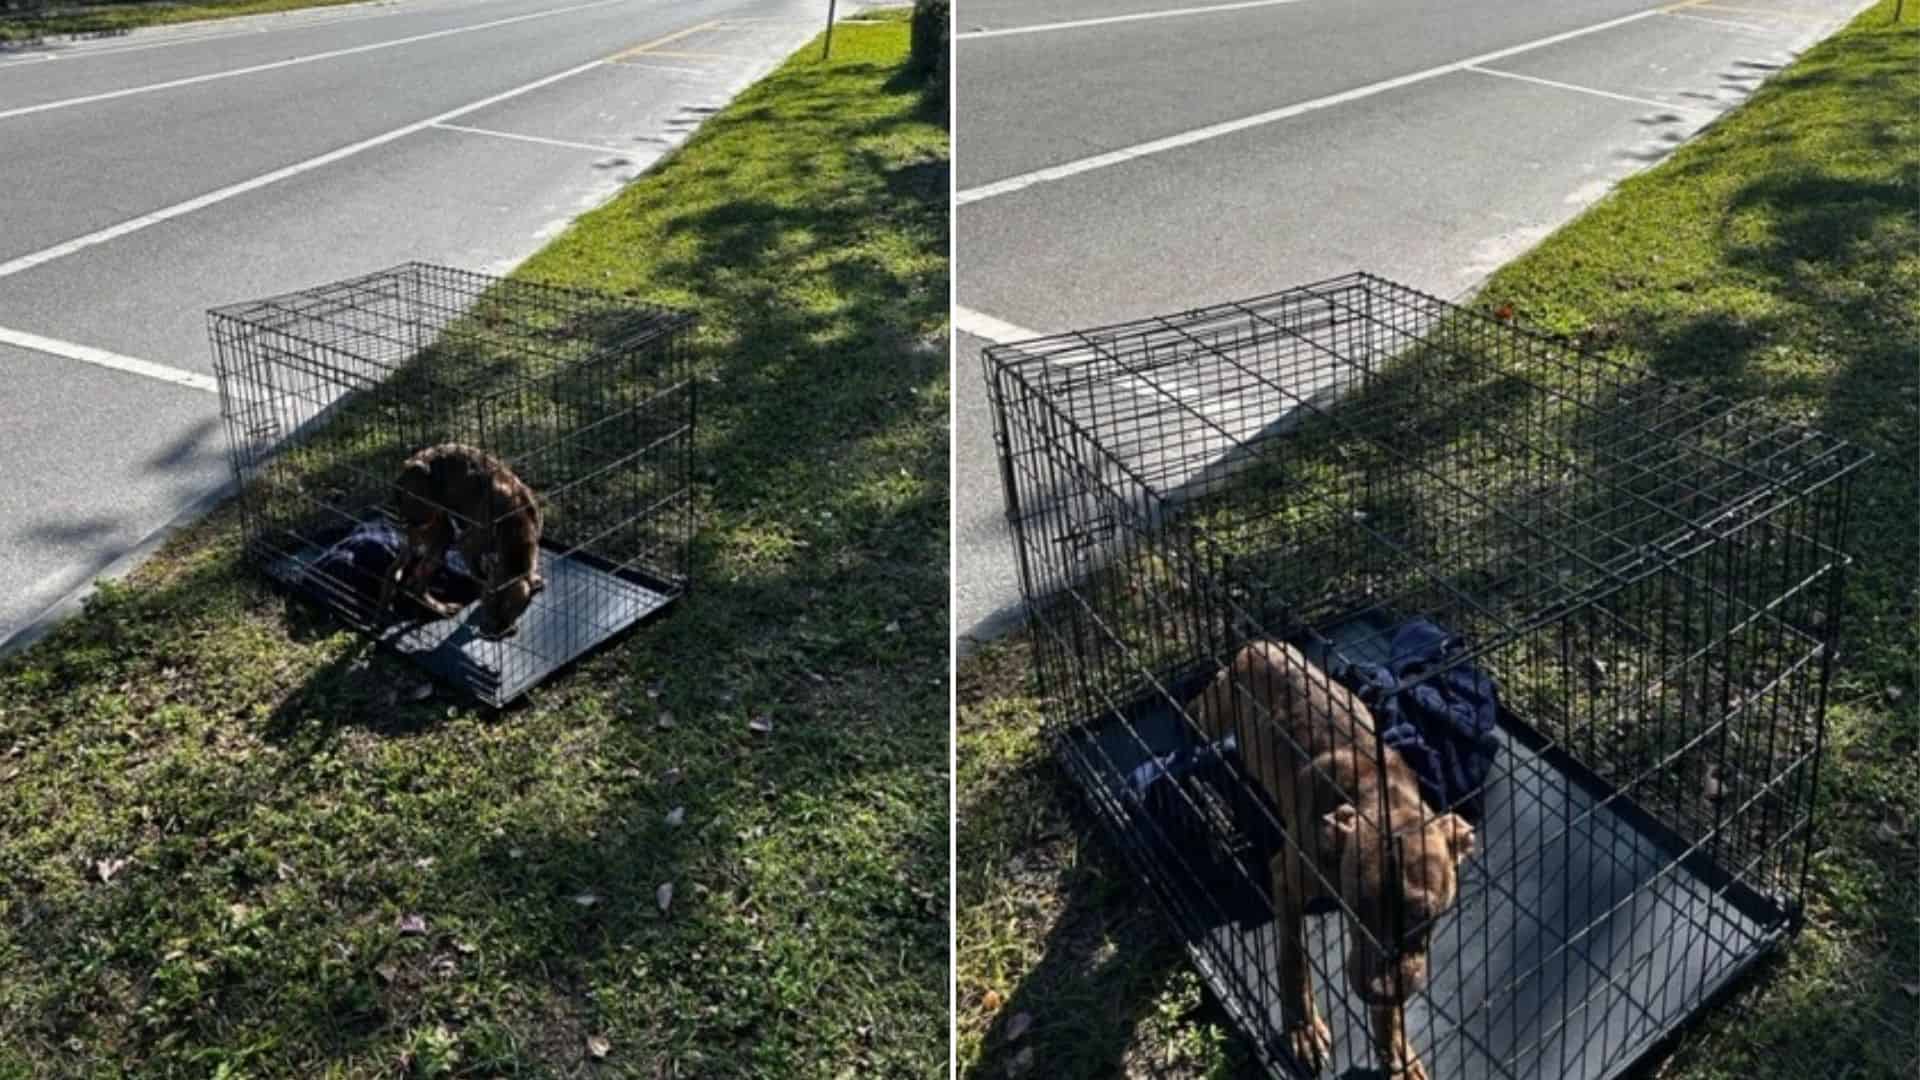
(1586, 930)
(585, 606)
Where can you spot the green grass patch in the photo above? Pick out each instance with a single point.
(227, 851)
(1775, 257)
(36, 21)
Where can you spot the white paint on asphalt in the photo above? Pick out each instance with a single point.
(224, 28)
(1108, 20)
(114, 232)
(1214, 131)
(87, 354)
(541, 139)
(330, 54)
(981, 325)
(1751, 28)
(1610, 95)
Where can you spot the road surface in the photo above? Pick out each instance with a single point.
(1125, 158)
(148, 177)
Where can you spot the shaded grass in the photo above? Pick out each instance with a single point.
(35, 21)
(1776, 257)
(280, 818)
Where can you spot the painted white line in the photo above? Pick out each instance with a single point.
(1751, 28)
(87, 354)
(1214, 131)
(667, 67)
(211, 76)
(981, 325)
(114, 232)
(224, 29)
(1477, 70)
(531, 138)
(1079, 24)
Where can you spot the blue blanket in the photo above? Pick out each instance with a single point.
(357, 563)
(1443, 727)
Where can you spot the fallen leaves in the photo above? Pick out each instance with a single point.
(761, 724)
(413, 925)
(664, 897)
(676, 817)
(107, 868)
(598, 1046)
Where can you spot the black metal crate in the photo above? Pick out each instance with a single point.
(586, 397)
(1648, 575)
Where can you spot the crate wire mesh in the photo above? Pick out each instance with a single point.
(1650, 576)
(586, 397)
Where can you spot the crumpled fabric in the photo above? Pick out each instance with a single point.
(1443, 728)
(360, 560)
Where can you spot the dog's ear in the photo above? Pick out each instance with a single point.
(1336, 827)
(1460, 838)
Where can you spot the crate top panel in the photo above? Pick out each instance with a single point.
(386, 319)
(1356, 411)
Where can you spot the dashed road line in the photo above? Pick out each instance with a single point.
(1214, 131)
(330, 54)
(87, 354)
(1109, 20)
(1593, 91)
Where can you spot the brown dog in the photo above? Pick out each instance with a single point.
(1311, 744)
(498, 527)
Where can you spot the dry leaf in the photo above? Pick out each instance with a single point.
(598, 1046)
(419, 691)
(107, 868)
(1912, 988)
(587, 898)
(413, 924)
(665, 723)
(677, 817)
(1021, 1023)
(992, 1001)
(760, 725)
(673, 775)
(664, 896)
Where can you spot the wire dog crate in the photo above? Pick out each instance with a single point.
(1636, 585)
(585, 397)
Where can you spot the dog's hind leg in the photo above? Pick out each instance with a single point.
(1397, 1059)
(1307, 1036)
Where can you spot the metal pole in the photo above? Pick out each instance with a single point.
(826, 50)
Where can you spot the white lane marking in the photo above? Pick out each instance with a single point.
(1751, 28)
(1214, 131)
(667, 67)
(87, 354)
(225, 29)
(1477, 70)
(531, 138)
(1077, 24)
(981, 325)
(330, 54)
(114, 232)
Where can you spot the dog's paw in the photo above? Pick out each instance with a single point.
(1311, 1043)
(1410, 1069)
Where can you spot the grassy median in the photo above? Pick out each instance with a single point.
(226, 850)
(1776, 257)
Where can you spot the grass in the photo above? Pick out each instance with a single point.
(227, 852)
(33, 22)
(1775, 257)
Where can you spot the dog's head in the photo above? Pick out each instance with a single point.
(412, 497)
(1396, 884)
(503, 606)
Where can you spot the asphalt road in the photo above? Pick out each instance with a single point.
(1125, 158)
(149, 177)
